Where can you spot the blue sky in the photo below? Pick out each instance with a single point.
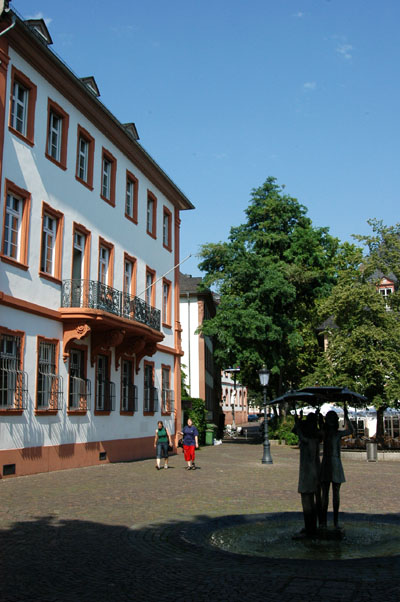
(225, 93)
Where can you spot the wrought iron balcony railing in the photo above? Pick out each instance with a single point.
(95, 295)
(79, 394)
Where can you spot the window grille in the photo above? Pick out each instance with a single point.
(49, 384)
(105, 398)
(150, 399)
(168, 401)
(13, 381)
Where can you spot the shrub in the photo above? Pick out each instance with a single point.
(196, 410)
(281, 428)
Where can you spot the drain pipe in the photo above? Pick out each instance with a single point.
(13, 20)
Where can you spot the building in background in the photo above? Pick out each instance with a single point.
(89, 297)
(234, 398)
(202, 378)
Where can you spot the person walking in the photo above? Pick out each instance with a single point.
(190, 443)
(161, 441)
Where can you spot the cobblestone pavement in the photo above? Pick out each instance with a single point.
(120, 532)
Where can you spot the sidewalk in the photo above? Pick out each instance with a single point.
(122, 532)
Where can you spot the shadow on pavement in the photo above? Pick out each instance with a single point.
(52, 560)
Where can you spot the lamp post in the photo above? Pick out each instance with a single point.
(264, 379)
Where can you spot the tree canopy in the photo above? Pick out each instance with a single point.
(268, 274)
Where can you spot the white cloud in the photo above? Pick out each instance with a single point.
(345, 51)
(47, 20)
(310, 85)
(298, 15)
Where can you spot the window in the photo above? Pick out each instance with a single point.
(151, 221)
(13, 381)
(57, 134)
(166, 302)
(131, 197)
(129, 285)
(15, 229)
(84, 158)
(105, 389)
(150, 288)
(167, 220)
(80, 266)
(22, 106)
(150, 392)
(51, 245)
(108, 175)
(79, 386)
(49, 383)
(128, 389)
(167, 393)
(104, 260)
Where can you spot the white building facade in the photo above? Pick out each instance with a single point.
(89, 297)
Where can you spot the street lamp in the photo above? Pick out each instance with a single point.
(264, 379)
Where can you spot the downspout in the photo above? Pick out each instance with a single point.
(13, 19)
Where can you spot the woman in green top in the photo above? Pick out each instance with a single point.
(161, 441)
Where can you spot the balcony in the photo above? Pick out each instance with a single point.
(91, 294)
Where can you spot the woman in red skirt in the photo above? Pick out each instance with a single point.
(190, 443)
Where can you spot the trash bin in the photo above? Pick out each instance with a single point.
(372, 451)
(211, 430)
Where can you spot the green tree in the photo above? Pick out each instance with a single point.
(363, 350)
(268, 274)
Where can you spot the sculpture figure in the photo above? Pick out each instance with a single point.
(309, 469)
(331, 466)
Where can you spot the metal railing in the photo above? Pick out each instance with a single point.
(105, 396)
(167, 401)
(79, 394)
(49, 391)
(13, 385)
(95, 295)
(150, 399)
(129, 398)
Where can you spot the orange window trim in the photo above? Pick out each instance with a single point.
(56, 342)
(11, 188)
(101, 412)
(59, 217)
(153, 286)
(53, 107)
(131, 178)
(167, 212)
(82, 133)
(167, 318)
(133, 261)
(107, 155)
(87, 234)
(21, 335)
(32, 89)
(83, 348)
(128, 358)
(165, 367)
(110, 271)
(153, 232)
(147, 363)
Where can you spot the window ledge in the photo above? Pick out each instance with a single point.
(8, 412)
(45, 412)
(109, 201)
(167, 248)
(126, 413)
(50, 277)
(60, 165)
(21, 136)
(102, 413)
(15, 262)
(148, 413)
(76, 412)
(87, 184)
(131, 219)
(151, 234)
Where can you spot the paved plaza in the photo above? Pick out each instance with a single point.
(119, 532)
